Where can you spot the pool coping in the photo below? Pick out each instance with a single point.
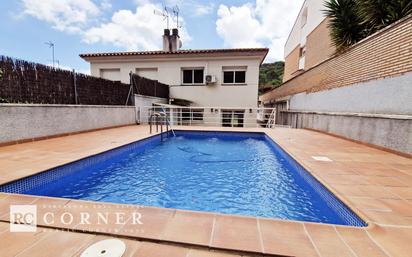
(370, 224)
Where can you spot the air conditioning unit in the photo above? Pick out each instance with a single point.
(210, 79)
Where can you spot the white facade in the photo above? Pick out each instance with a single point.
(168, 69)
(310, 16)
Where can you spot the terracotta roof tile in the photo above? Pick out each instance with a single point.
(180, 52)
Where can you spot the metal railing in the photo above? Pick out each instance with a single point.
(160, 119)
(208, 116)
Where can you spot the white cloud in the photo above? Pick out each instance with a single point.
(203, 9)
(265, 23)
(63, 15)
(106, 4)
(140, 30)
(238, 27)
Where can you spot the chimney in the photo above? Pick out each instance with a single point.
(175, 42)
(166, 40)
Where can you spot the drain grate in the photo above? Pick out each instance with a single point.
(321, 158)
(105, 248)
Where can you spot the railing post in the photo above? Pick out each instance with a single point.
(132, 87)
(191, 116)
(75, 86)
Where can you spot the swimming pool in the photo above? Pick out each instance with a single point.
(225, 172)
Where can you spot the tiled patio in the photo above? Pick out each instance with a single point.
(375, 184)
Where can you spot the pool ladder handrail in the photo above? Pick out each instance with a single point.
(160, 118)
(167, 121)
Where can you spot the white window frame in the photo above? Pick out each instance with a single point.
(234, 69)
(193, 75)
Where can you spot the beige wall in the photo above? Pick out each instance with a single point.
(291, 64)
(169, 72)
(318, 48)
(318, 45)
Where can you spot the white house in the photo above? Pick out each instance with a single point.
(226, 78)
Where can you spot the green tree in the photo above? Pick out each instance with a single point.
(271, 75)
(345, 25)
(353, 20)
(377, 14)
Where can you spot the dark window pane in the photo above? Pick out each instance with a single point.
(198, 76)
(197, 115)
(227, 119)
(228, 77)
(238, 119)
(240, 77)
(187, 76)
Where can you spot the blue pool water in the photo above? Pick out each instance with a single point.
(232, 173)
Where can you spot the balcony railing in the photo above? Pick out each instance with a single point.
(210, 116)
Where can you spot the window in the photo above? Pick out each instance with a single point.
(192, 114)
(302, 51)
(234, 77)
(233, 118)
(193, 76)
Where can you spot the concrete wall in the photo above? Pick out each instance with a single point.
(392, 132)
(385, 96)
(169, 71)
(28, 121)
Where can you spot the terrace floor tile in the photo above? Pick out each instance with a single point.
(156, 250)
(13, 243)
(359, 241)
(154, 221)
(189, 227)
(235, 232)
(327, 241)
(402, 192)
(285, 238)
(57, 244)
(13, 199)
(396, 241)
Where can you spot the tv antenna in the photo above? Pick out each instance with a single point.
(176, 11)
(51, 45)
(164, 14)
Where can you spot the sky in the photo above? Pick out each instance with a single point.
(84, 26)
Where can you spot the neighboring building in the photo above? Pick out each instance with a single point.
(363, 93)
(309, 42)
(233, 73)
